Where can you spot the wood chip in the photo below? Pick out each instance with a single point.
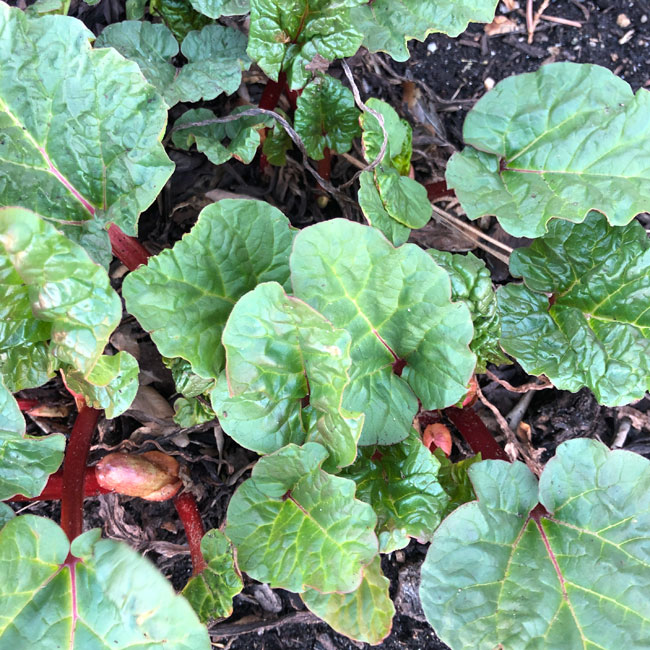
(500, 25)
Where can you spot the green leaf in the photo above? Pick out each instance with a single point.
(401, 484)
(500, 573)
(242, 135)
(218, 8)
(375, 211)
(187, 383)
(287, 36)
(471, 283)
(280, 351)
(455, 480)
(42, 7)
(291, 520)
(179, 16)
(555, 143)
(184, 295)
(387, 25)
(6, 514)
(135, 9)
(112, 598)
(151, 46)
(395, 303)
(82, 128)
(405, 199)
(69, 296)
(211, 592)
(326, 117)
(111, 384)
(190, 412)
(25, 461)
(365, 614)
(400, 135)
(216, 57)
(277, 143)
(597, 331)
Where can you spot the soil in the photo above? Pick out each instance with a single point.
(448, 76)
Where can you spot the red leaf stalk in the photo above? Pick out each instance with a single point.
(188, 512)
(127, 249)
(53, 489)
(437, 190)
(74, 471)
(477, 435)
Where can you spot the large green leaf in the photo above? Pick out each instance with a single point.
(555, 143)
(25, 461)
(69, 296)
(211, 592)
(365, 614)
(218, 8)
(179, 16)
(184, 295)
(401, 483)
(6, 514)
(289, 35)
(111, 385)
(295, 526)
(575, 575)
(388, 24)
(81, 127)
(595, 331)
(220, 142)
(112, 598)
(279, 352)
(471, 283)
(326, 117)
(395, 303)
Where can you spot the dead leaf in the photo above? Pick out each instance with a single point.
(501, 25)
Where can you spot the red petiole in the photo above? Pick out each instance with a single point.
(477, 435)
(189, 515)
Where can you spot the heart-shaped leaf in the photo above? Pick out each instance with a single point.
(571, 573)
(555, 143)
(184, 295)
(387, 25)
(404, 198)
(326, 117)
(395, 304)
(217, 8)
(112, 597)
(280, 352)
(595, 330)
(211, 592)
(25, 461)
(365, 614)
(288, 37)
(400, 483)
(82, 128)
(295, 526)
(471, 283)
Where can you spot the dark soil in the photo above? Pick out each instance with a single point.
(450, 74)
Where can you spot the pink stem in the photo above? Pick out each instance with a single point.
(188, 512)
(127, 249)
(477, 435)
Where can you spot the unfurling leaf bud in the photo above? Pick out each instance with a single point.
(152, 476)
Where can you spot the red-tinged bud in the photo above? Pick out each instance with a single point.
(470, 398)
(152, 476)
(437, 435)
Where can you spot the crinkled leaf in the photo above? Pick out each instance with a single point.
(25, 461)
(395, 303)
(93, 237)
(365, 614)
(375, 211)
(135, 9)
(404, 199)
(112, 598)
(6, 514)
(280, 351)
(555, 143)
(295, 526)
(111, 384)
(190, 412)
(184, 295)
(471, 283)
(242, 135)
(401, 484)
(289, 35)
(211, 592)
(455, 480)
(179, 16)
(387, 25)
(326, 117)
(216, 57)
(187, 383)
(66, 292)
(597, 331)
(82, 128)
(277, 143)
(151, 46)
(400, 135)
(575, 578)
(218, 8)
